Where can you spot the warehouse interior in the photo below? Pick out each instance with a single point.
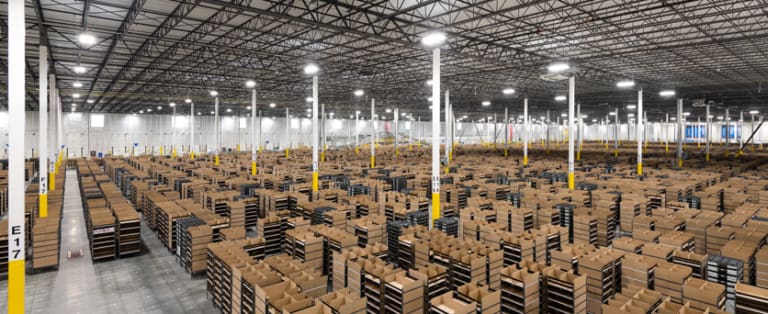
(396, 156)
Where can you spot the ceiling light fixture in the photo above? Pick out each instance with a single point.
(560, 98)
(359, 92)
(311, 69)
(433, 39)
(667, 93)
(250, 84)
(214, 93)
(508, 91)
(86, 39)
(625, 83)
(558, 67)
(79, 69)
(77, 84)
(485, 103)
(272, 105)
(188, 100)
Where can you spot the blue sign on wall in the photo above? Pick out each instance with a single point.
(695, 131)
(733, 132)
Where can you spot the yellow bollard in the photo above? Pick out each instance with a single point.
(435, 206)
(52, 181)
(373, 161)
(571, 181)
(314, 181)
(525, 160)
(216, 160)
(286, 153)
(639, 168)
(253, 167)
(43, 205)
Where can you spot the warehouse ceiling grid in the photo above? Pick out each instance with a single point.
(151, 52)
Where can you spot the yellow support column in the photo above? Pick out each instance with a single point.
(435, 206)
(43, 205)
(373, 161)
(286, 153)
(173, 152)
(253, 168)
(161, 150)
(216, 160)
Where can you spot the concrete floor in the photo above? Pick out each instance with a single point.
(152, 282)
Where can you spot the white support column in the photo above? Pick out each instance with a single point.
(16, 129)
(616, 133)
(217, 131)
(547, 122)
(571, 129)
(580, 130)
(261, 139)
(666, 133)
(709, 128)
(506, 132)
(373, 135)
(738, 132)
(680, 132)
(526, 132)
(191, 130)
(173, 131)
(60, 144)
(727, 120)
(397, 131)
(410, 133)
(322, 132)
(752, 130)
(697, 131)
(288, 141)
(495, 131)
(315, 139)
(639, 132)
(254, 141)
(435, 136)
(447, 129)
(357, 132)
(43, 136)
(52, 147)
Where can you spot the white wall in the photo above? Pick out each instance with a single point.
(120, 131)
